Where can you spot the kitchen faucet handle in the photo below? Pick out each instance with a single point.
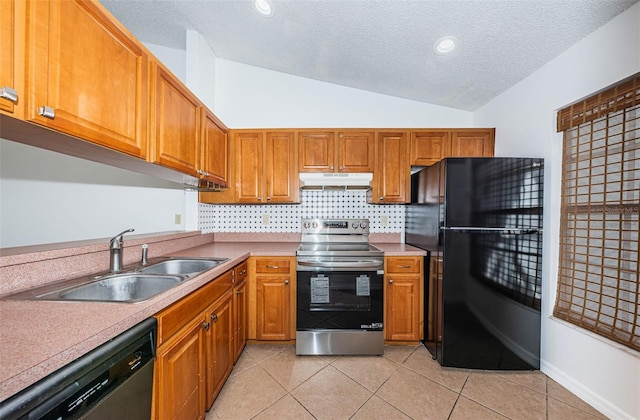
(116, 241)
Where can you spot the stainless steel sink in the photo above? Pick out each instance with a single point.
(135, 284)
(121, 288)
(183, 266)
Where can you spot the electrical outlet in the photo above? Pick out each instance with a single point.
(265, 219)
(384, 220)
(178, 219)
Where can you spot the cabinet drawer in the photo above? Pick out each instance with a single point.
(177, 315)
(404, 264)
(241, 271)
(273, 265)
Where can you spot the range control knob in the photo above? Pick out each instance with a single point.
(315, 225)
(354, 225)
(306, 225)
(363, 225)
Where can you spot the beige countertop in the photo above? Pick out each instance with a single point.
(39, 337)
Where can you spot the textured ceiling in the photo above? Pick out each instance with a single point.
(381, 46)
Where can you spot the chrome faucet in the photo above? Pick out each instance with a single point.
(115, 252)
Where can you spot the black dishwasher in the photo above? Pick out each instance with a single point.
(113, 381)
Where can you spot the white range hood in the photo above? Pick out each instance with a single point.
(335, 181)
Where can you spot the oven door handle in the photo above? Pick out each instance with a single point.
(375, 264)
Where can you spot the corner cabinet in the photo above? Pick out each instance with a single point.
(403, 299)
(392, 175)
(87, 76)
(272, 317)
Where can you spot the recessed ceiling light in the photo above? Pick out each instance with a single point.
(264, 7)
(446, 45)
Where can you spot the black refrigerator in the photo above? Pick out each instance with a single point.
(480, 219)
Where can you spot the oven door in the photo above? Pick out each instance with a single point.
(339, 300)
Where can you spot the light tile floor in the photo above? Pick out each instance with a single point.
(271, 382)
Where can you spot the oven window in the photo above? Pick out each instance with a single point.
(332, 291)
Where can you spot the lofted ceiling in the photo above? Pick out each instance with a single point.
(381, 46)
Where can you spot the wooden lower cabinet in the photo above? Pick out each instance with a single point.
(403, 299)
(240, 310)
(180, 371)
(196, 349)
(218, 346)
(271, 311)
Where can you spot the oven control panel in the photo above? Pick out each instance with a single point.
(336, 226)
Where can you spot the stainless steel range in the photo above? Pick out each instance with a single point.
(339, 289)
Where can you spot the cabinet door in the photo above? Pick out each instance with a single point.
(356, 151)
(240, 317)
(86, 68)
(249, 167)
(429, 146)
(215, 149)
(177, 118)
(402, 308)
(219, 347)
(7, 51)
(391, 179)
(470, 143)
(180, 375)
(274, 307)
(281, 175)
(317, 151)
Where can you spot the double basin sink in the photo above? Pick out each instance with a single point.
(134, 285)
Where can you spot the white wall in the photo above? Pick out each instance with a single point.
(48, 197)
(598, 371)
(248, 96)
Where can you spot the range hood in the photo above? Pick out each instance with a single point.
(335, 181)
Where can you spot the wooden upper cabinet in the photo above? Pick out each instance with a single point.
(249, 152)
(356, 151)
(9, 91)
(429, 146)
(317, 151)
(176, 118)
(87, 76)
(472, 142)
(265, 165)
(344, 151)
(214, 154)
(281, 176)
(392, 177)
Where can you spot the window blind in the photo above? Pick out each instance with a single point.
(598, 284)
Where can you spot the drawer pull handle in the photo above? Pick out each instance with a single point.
(47, 112)
(404, 266)
(275, 267)
(8, 93)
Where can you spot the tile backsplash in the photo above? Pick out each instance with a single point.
(286, 217)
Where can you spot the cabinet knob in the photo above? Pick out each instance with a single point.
(286, 282)
(47, 112)
(238, 292)
(259, 198)
(8, 93)
(214, 318)
(381, 198)
(268, 198)
(390, 281)
(206, 325)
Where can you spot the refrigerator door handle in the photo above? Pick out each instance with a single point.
(495, 231)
